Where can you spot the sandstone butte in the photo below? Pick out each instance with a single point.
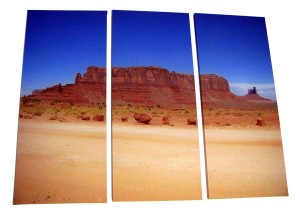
(149, 86)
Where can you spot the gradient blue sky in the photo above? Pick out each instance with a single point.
(235, 47)
(152, 39)
(58, 44)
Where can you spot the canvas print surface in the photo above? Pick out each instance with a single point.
(244, 155)
(154, 127)
(61, 150)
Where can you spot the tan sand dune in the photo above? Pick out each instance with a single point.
(60, 162)
(155, 162)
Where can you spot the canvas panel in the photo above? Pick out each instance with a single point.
(155, 147)
(61, 148)
(244, 156)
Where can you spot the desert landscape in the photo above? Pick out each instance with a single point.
(155, 144)
(61, 150)
(244, 155)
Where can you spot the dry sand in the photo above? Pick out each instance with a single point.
(60, 162)
(153, 162)
(245, 163)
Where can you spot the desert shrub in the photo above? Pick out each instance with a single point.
(53, 118)
(38, 113)
(238, 114)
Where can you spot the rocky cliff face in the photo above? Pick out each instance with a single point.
(153, 76)
(93, 75)
(215, 88)
(88, 88)
(152, 86)
(149, 86)
(213, 82)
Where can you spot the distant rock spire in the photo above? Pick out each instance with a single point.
(78, 78)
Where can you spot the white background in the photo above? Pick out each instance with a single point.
(282, 18)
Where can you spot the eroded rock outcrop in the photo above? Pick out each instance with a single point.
(152, 86)
(215, 88)
(148, 86)
(212, 82)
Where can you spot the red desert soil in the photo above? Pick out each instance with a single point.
(155, 162)
(59, 162)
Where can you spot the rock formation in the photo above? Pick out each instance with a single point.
(89, 88)
(124, 118)
(260, 122)
(215, 88)
(253, 96)
(165, 120)
(142, 118)
(99, 118)
(152, 86)
(147, 86)
(191, 121)
(212, 82)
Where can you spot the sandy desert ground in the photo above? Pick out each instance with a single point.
(60, 162)
(245, 163)
(244, 159)
(155, 162)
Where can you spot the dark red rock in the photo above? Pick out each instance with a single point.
(260, 122)
(192, 121)
(86, 118)
(124, 119)
(165, 120)
(20, 116)
(142, 118)
(99, 118)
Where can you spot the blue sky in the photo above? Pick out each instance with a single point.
(58, 44)
(235, 47)
(152, 39)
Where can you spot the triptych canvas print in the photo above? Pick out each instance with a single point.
(62, 150)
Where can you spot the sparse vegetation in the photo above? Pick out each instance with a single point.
(55, 110)
(37, 113)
